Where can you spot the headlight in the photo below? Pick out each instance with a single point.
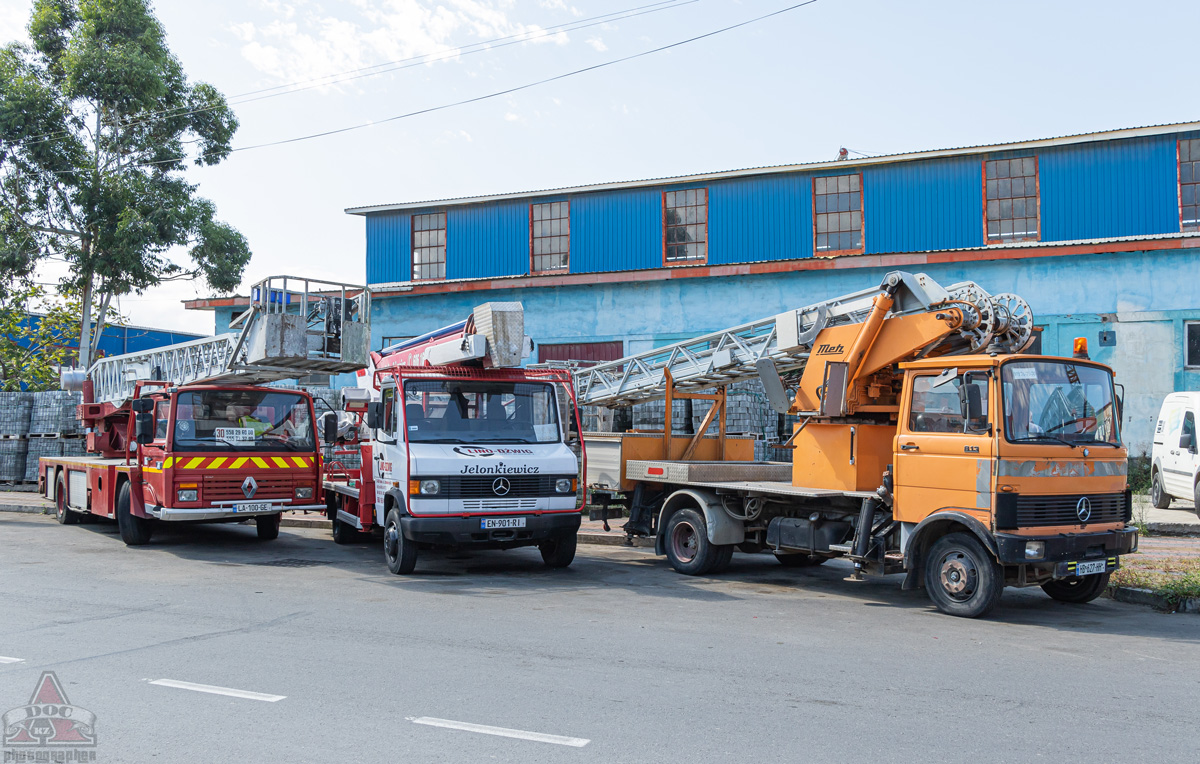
(564, 485)
(1035, 550)
(304, 493)
(187, 494)
(430, 487)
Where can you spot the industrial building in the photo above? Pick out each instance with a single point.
(1099, 232)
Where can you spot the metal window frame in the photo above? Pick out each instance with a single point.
(1179, 187)
(533, 257)
(412, 244)
(662, 216)
(862, 207)
(1037, 186)
(1186, 365)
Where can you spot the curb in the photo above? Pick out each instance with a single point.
(1173, 529)
(1147, 597)
(25, 508)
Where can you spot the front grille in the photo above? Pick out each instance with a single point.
(229, 487)
(1037, 511)
(502, 505)
(482, 486)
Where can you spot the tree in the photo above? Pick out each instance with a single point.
(33, 348)
(97, 124)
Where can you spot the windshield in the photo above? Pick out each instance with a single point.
(1058, 400)
(466, 411)
(242, 420)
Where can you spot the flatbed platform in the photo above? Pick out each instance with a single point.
(762, 478)
(772, 488)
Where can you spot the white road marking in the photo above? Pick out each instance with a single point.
(540, 737)
(11, 660)
(218, 690)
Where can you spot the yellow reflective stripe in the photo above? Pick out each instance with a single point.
(280, 462)
(237, 463)
(167, 461)
(194, 463)
(216, 463)
(259, 462)
(299, 461)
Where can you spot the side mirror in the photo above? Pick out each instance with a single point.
(1188, 441)
(141, 405)
(375, 414)
(970, 400)
(143, 427)
(329, 427)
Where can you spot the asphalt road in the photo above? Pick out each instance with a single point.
(761, 664)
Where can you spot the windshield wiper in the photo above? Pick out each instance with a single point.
(439, 440)
(1028, 438)
(503, 440)
(1096, 442)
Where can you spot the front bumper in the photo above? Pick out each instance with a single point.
(466, 531)
(1062, 549)
(200, 514)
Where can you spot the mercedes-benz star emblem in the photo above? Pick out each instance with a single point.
(501, 486)
(249, 487)
(1084, 509)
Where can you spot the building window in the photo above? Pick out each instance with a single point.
(550, 236)
(685, 226)
(1192, 344)
(1012, 199)
(429, 246)
(837, 213)
(1189, 184)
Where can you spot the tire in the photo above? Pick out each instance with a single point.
(799, 560)
(268, 526)
(558, 552)
(724, 558)
(343, 532)
(64, 515)
(1196, 499)
(399, 552)
(1079, 590)
(135, 530)
(1158, 494)
(688, 549)
(961, 577)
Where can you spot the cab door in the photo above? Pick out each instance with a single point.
(383, 461)
(155, 490)
(943, 460)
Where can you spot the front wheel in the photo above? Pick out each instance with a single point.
(1158, 494)
(559, 552)
(688, 549)
(401, 554)
(135, 530)
(268, 526)
(1078, 590)
(961, 577)
(62, 512)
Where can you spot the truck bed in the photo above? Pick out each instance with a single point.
(762, 478)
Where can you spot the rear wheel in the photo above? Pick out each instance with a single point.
(268, 526)
(1079, 589)
(798, 560)
(558, 552)
(724, 557)
(688, 549)
(400, 553)
(961, 577)
(343, 532)
(1196, 499)
(62, 513)
(135, 530)
(1158, 494)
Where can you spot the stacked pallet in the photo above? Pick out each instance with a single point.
(34, 425)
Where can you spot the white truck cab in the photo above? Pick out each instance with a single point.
(1176, 454)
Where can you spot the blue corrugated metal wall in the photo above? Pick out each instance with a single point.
(1118, 188)
(616, 230)
(487, 240)
(389, 247)
(765, 218)
(919, 206)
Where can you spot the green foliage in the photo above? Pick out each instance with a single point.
(31, 353)
(97, 123)
(1139, 473)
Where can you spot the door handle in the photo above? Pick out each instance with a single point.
(910, 447)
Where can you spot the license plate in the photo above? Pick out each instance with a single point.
(1090, 568)
(489, 523)
(253, 506)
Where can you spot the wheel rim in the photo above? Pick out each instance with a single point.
(391, 541)
(1155, 490)
(959, 576)
(684, 542)
(60, 502)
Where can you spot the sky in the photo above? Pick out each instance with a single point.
(874, 77)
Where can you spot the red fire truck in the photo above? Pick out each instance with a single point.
(189, 432)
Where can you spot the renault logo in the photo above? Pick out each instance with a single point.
(1084, 509)
(501, 486)
(249, 487)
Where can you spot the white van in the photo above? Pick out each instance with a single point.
(1175, 457)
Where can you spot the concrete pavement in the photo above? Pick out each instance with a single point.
(762, 663)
